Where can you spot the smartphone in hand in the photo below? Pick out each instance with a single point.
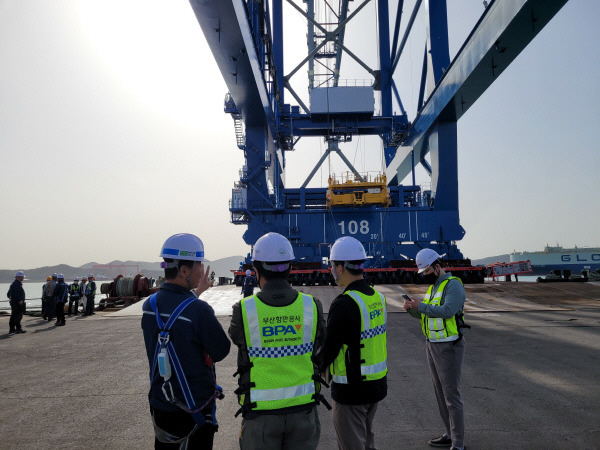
(406, 297)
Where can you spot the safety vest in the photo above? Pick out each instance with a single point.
(437, 329)
(373, 346)
(75, 290)
(90, 288)
(280, 343)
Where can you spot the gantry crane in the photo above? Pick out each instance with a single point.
(270, 116)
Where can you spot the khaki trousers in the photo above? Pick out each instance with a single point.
(354, 426)
(294, 431)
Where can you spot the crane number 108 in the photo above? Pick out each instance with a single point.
(354, 227)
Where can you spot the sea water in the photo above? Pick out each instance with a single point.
(33, 295)
(221, 300)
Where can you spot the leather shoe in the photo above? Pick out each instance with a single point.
(442, 441)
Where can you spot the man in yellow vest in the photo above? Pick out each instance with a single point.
(355, 349)
(277, 331)
(442, 318)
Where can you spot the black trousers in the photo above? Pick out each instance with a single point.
(180, 423)
(89, 305)
(60, 312)
(75, 302)
(16, 314)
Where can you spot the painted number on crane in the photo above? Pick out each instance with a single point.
(402, 235)
(355, 227)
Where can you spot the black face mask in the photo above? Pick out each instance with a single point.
(430, 278)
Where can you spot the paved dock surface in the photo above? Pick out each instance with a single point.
(531, 378)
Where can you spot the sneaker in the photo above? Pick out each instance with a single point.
(21, 331)
(10, 333)
(442, 441)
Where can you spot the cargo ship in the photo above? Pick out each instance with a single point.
(574, 260)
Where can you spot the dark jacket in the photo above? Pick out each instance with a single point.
(90, 289)
(16, 294)
(75, 291)
(196, 332)
(274, 293)
(343, 327)
(61, 292)
(248, 285)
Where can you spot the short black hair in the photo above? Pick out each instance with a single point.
(351, 271)
(171, 272)
(269, 274)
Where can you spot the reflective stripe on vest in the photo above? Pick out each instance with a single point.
(437, 329)
(281, 374)
(372, 338)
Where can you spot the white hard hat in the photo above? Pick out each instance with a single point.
(19, 274)
(347, 248)
(76, 280)
(53, 275)
(425, 258)
(248, 273)
(273, 247)
(60, 276)
(183, 246)
(90, 276)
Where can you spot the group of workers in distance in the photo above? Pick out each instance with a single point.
(287, 351)
(56, 293)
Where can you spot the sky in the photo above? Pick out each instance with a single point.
(113, 135)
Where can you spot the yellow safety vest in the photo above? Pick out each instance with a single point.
(373, 351)
(280, 343)
(437, 329)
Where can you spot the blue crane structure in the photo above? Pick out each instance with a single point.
(246, 39)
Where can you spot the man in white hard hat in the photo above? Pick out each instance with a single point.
(184, 340)
(83, 300)
(355, 350)
(442, 320)
(16, 294)
(278, 331)
(248, 284)
(74, 296)
(90, 295)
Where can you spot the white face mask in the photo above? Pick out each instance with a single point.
(335, 275)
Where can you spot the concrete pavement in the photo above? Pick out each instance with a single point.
(531, 381)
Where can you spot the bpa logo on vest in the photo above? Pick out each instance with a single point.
(280, 329)
(375, 313)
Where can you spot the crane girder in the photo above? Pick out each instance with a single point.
(229, 36)
(502, 32)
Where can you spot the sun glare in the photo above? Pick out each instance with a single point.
(153, 51)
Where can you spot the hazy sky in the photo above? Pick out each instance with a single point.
(113, 135)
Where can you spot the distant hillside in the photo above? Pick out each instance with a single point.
(490, 260)
(222, 268)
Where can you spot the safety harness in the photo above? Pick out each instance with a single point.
(165, 355)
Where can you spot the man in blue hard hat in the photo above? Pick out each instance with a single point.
(277, 331)
(16, 294)
(61, 293)
(442, 320)
(183, 341)
(355, 351)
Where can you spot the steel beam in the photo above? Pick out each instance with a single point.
(503, 31)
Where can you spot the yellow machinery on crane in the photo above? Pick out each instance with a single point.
(354, 191)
